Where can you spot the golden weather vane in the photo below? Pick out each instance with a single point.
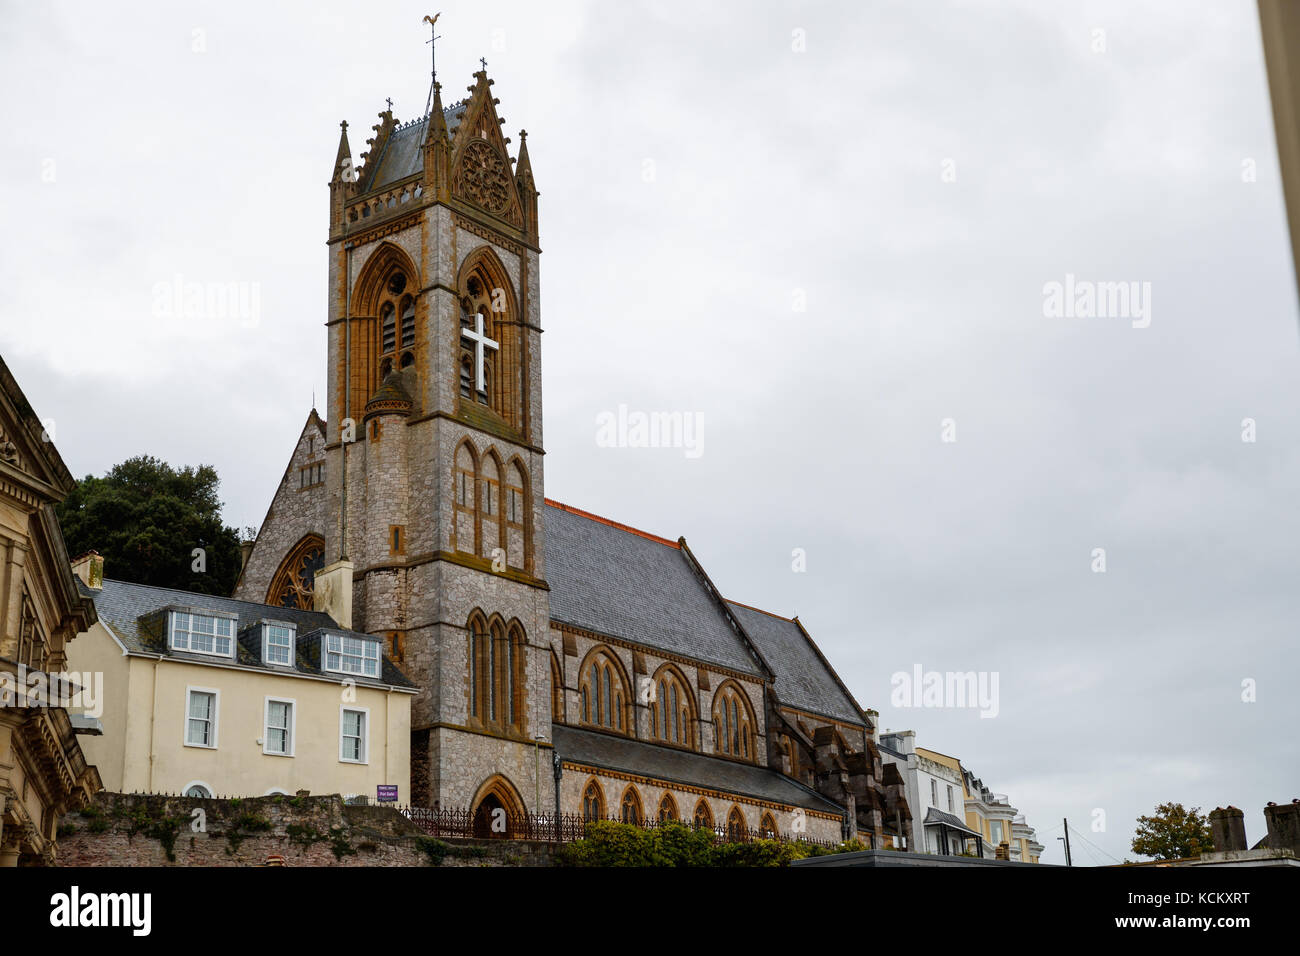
(433, 57)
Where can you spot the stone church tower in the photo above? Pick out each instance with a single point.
(431, 506)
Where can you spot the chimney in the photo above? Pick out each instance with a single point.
(245, 549)
(332, 593)
(906, 741)
(1283, 826)
(90, 568)
(1228, 828)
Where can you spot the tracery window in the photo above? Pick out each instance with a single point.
(295, 579)
(667, 808)
(733, 723)
(479, 342)
(768, 827)
(593, 803)
(736, 824)
(672, 714)
(396, 325)
(603, 695)
(489, 360)
(630, 807)
(703, 816)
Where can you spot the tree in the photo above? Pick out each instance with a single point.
(1172, 833)
(155, 525)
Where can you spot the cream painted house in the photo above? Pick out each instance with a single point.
(209, 696)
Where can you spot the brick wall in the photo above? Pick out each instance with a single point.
(132, 830)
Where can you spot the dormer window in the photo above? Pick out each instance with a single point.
(351, 655)
(202, 634)
(277, 644)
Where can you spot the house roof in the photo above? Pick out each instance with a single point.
(617, 581)
(126, 609)
(804, 678)
(610, 752)
(936, 817)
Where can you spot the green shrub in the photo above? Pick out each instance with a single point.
(435, 850)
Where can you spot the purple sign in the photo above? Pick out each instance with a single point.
(386, 792)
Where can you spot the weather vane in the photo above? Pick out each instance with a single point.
(433, 58)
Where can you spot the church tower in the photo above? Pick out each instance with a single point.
(433, 496)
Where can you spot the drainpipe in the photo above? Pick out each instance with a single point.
(153, 718)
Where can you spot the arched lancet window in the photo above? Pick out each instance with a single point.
(736, 824)
(672, 708)
(603, 693)
(464, 533)
(733, 722)
(703, 816)
(383, 333)
(295, 579)
(630, 807)
(488, 360)
(768, 827)
(489, 505)
(557, 691)
(518, 518)
(667, 808)
(496, 673)
(593, 802)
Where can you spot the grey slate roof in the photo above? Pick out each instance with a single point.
(401, 154)
(935, 816)
(803, 679)
(680, 766)
(622, 584)
(121, 605)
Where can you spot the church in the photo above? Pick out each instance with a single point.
(563, 660)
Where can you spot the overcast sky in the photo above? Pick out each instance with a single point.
(818, 229)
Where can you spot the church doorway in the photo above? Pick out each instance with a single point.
(498, 811)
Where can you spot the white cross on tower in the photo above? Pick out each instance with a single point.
(481, 342)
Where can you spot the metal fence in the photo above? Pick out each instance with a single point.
(465, 823)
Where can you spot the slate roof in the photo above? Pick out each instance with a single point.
(401, 155)
(622, 583)
(804, 679)
(935, 816)
(125, 608)
(671, 765)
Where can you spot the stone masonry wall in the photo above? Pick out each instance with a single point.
(132, 830)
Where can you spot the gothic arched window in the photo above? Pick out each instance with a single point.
(488, 360)
(603, 693)
(703, 816)
(593, 802)
(630, 807)
(768, 827)
(496, 673)
(557, 691)
(667, 808)
(736, 824)
(295, 579)
(383, 333)
(464, 535)
(672, 709)
(733, 722)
